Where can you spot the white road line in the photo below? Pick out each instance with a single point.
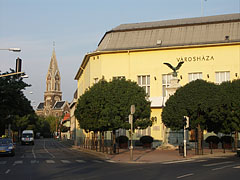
(186, 175)
(34, 155)
(221, 167)
(237, 167)
(80, 161)
(110, 161)
(180, 161)
(65, 161)
(7, 171)
(3, 162)
(50, 161)
(34, 162)
(17, 162)
(47, 150)
(215, 164)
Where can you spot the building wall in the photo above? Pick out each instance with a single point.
(197, 59)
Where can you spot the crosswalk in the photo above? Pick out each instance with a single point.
(51, 161)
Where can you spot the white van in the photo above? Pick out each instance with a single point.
(27, 137)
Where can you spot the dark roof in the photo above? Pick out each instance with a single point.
(59, 105)
(40, 106)
(179, 32)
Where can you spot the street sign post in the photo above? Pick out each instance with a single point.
(132, 109)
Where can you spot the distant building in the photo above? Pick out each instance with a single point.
(53, 104)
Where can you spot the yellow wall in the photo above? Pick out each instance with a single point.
(150, 62)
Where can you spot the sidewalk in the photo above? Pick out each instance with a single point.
(141, 155)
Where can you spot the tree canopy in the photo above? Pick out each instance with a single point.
(214, 107)
(12, 100)
(106, 106)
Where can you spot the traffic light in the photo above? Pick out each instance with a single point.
(18, 65)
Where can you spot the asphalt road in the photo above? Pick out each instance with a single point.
(48, 159)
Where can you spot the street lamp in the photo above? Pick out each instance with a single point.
(11, 49)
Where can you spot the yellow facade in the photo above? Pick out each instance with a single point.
(202, 59)
(208, 46)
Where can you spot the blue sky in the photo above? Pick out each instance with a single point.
(77, 26)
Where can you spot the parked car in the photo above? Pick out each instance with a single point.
(7, 146)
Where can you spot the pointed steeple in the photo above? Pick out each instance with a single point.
(53, 81)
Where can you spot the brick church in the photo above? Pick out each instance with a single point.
(53, 104)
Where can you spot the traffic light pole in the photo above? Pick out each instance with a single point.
(184, 143)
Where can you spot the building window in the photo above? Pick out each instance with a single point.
(194, 76)
(118, 77)
(48, 86)
(144, 82)
(166, 78)
(222, 76)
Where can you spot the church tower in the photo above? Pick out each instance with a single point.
(53, 81)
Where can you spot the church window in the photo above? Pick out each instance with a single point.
(49, 86)
(49, 77)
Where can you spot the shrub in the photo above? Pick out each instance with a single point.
(122, 139)
(226, 139)
(212, 139)
(146, 139)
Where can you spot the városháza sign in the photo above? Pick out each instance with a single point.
(195, 58)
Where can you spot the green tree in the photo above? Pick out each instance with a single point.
(106, 106)
(226, 114)
(195, 100)
(12, 100)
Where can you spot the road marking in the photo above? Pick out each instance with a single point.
(17, 162)
(7, 171)
(110, 161)
(50, 161)
(47, 150)
(80, 161)
(33, 153)
(3, 162)
(65, 161)
(180, 161)
(215, 164)
(221, 167)
(186, 175)
(237, 167)
(34, 162)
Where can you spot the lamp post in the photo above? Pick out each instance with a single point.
(11, 49)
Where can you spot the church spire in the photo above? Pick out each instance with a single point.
(53, 74)
(53, 91)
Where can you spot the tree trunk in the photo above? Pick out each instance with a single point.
(236, 141)
(199, 139)
(102, 143)
(114, 142)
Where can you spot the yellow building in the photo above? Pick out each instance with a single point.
(209, 47)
